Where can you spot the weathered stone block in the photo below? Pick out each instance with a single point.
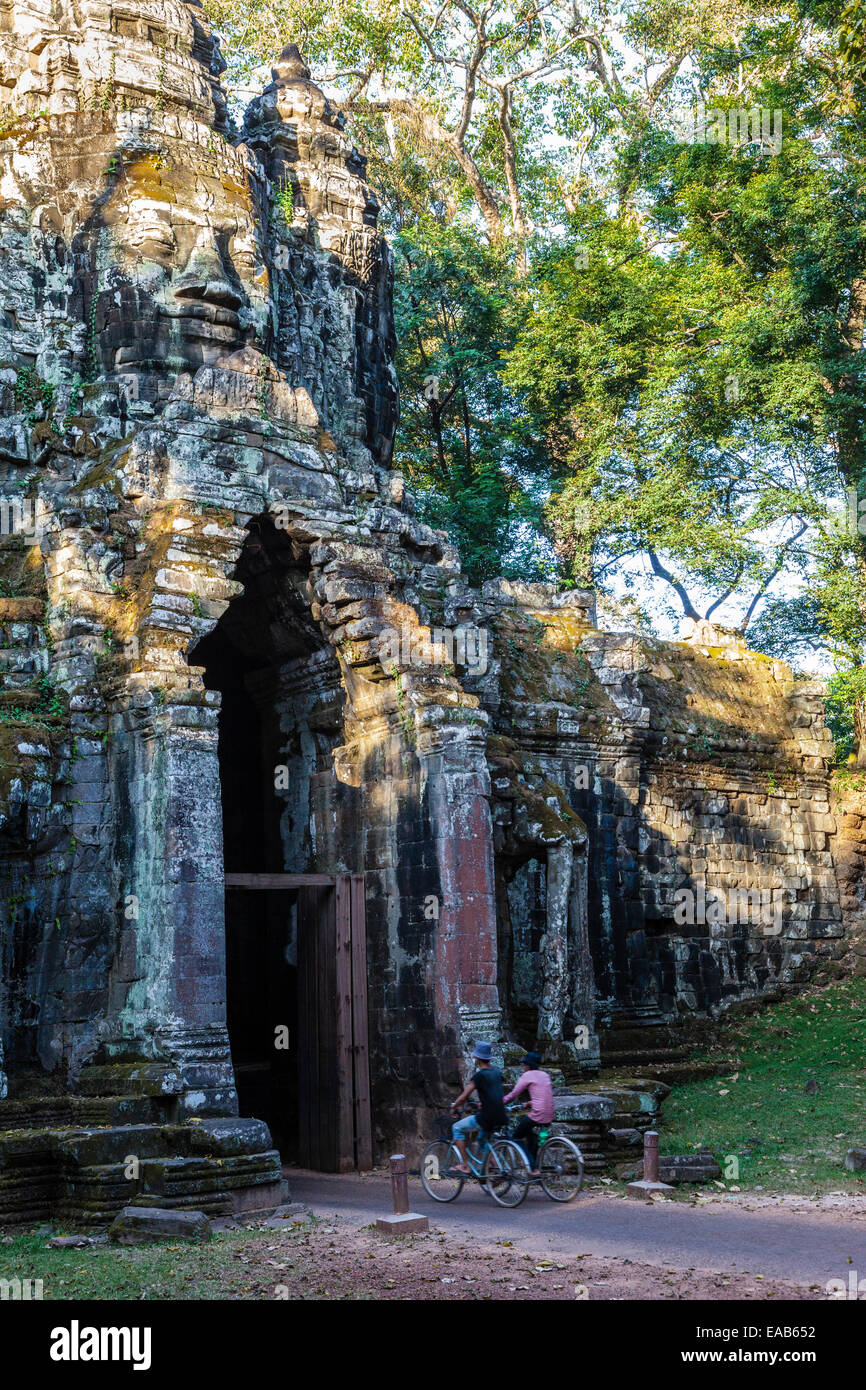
(683, 1168)
(229, 1135)
(405, 1224)
(138, 1225)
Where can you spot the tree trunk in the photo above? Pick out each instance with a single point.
(518, 221)
(860, 731)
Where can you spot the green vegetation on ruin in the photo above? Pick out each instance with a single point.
(785, 1137)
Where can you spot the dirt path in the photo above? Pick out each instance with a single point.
(669, 1240)
(338, 1261)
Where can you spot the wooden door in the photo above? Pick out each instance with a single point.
(317, 1030)
(333, 1062)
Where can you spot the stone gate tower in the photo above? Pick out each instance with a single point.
(213, 624)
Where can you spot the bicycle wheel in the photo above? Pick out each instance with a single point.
(561, 1165)
(437, 1162)
(506, 1173)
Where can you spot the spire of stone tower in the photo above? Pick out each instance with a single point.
(290, 66)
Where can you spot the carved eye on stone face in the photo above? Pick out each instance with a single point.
(151, 238)
(157, 243)
(244, 254)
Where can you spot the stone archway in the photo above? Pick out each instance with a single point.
(280, 719)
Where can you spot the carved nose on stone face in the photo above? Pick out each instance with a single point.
(219, 292)
(205, 277)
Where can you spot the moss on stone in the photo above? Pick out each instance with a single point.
(542, 661)
(531, 793)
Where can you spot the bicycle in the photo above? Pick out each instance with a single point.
(560, 1163)
(499, 1165)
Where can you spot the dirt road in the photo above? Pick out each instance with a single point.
(806, 1247)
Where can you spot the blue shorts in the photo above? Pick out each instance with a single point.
(462, 1129)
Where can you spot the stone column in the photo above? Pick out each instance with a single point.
(554, 944)
(457, 780)
(580, 970)
(168, 983)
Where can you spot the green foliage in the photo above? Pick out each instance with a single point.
(404, 712)
(784, 1138)
(846, 694)
(33, 396)
(73, 405)
(50, 710)
(683, 368)
(263, 386)
(473, 452)
(104, 92)
(91, 355)
(283, 203)
(159, 103)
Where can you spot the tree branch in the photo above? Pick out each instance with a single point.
(658, 568)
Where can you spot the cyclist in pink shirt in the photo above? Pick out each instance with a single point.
(540, 1107)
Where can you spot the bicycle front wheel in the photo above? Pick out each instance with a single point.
(506, 1173)
(560, 1163)
(438, 1162)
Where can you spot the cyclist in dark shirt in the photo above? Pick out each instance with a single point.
(487, 1085)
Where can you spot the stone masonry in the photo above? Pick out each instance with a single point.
(229, 644)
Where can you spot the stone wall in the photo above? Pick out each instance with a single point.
(223, 580)
(848, 808)
(701, 773)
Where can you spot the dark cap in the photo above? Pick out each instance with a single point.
(532, 1060)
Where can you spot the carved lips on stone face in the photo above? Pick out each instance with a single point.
(185, 284)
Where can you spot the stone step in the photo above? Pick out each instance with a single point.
(635, 1039)
(156, 1079)
(582, 1116)
(222, 1165)
(83, 1112)
(677, 1073)
(83, 1147)
(28, 1194)
(95, 1194)
(645, 1057)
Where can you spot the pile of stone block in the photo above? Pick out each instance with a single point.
(89, 1173)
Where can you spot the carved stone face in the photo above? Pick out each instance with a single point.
(182, 281)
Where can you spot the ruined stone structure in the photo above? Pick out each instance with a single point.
(700, 772)
(229, 646)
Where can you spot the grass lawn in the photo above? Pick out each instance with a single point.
(793, 1102)
(216, 1269)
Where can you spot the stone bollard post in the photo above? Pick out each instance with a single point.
(649, 1183)
(400, 1183)
(403, 1221)
(651, 1156)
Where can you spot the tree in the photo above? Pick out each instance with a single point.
(621, 354)
(467, 441)
(698, 350)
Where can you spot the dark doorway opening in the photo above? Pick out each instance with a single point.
(262, 1010)
(323, 1080)
(522, 925)
(280, 720)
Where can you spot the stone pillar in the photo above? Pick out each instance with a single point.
(554, 946)
(458, 789)
(580, 970)
(168, 983)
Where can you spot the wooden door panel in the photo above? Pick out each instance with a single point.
(332, 1048)
(363, 1154)
(317, 1030)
